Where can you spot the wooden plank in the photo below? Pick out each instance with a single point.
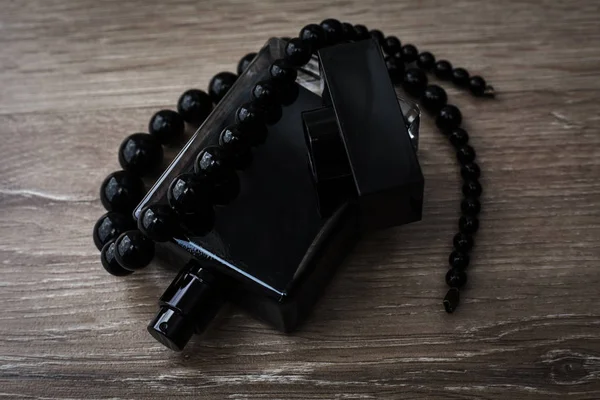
(78, 76)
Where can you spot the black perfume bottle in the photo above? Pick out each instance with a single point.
(341, 160)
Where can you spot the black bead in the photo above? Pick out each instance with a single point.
(212, 163)
(140, 153)
(414, 82)
(398, 57)
(250, 115)
(409, 53)
(434, 98)
(465, 154)
(456, 278)
(458, 137)
(158, 222)
(470, 206)
(334, 31)
(109, 261)
(448, 118)
(377, 35)
(237, 147)
(391, 45)
(220, 84)
(452, 300)
(443, 69)
(283, 72)
(266, 93)
(166, 126)
(194, 106)
(110, 226)
(460, 77)
(468, 224)
(470, 171)
(426, 60)
(314, 35)
(472, 189)
(349, 33)
(121, 191)
(245, 62)
(226, 189)
(133, 250)
(188, 194)
(297, 52)
(362, 33)
(458, 259)
(463, 242)
(395, 69)
(233, 141)
(477, 85)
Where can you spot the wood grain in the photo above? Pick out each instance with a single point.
(76, 77)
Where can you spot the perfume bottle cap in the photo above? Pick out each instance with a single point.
(171, 328)
(358, 144)
(187, 306)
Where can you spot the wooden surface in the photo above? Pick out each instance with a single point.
(76, 77)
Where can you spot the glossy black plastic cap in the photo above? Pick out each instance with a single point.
(327, 159)
(187, 306)
(378, 153)
(171, 329)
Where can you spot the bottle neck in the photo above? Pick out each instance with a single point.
(188, 306)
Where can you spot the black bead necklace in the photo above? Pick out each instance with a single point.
(215, 182)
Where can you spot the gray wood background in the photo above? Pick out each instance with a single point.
(76, 77)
